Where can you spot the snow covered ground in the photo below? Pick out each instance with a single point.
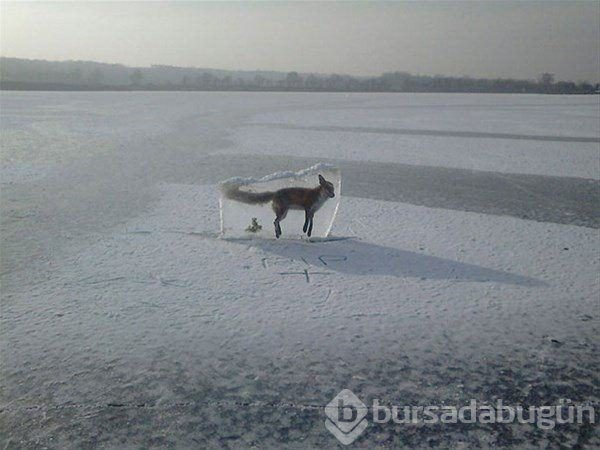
(508, 134)
(128, 322)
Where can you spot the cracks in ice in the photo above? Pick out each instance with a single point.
(216, 403)
(306, 274)
(164, 406)
(149, 279)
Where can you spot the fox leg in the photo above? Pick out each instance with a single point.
(308, 223)
(306, 220)
(280, 213)
(277, 228)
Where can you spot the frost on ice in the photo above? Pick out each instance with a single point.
(245, 220)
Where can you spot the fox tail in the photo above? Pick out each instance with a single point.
(233, 192)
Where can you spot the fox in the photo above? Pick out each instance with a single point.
(307, 199)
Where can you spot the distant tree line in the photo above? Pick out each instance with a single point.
(83, 75)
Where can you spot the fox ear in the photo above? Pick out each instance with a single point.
(321, 179)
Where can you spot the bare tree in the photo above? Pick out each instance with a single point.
(136, 77)
(293, 80)
(546, 79)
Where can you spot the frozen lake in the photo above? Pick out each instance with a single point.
(84, 162)
(467, 266)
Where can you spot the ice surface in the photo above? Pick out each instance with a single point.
(162, 313)
(126, 321)
(386, 129)
(241, 220)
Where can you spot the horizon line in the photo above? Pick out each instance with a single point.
(288, 71)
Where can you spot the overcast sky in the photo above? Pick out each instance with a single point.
(477, 38)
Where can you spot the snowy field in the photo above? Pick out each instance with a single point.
(463, 264)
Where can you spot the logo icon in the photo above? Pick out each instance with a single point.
(346, 417)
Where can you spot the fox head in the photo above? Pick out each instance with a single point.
(326, 186)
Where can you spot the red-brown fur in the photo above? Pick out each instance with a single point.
(307, 199)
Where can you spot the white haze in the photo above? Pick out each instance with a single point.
(486, 39)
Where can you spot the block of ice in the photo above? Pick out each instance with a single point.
(247, 204)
